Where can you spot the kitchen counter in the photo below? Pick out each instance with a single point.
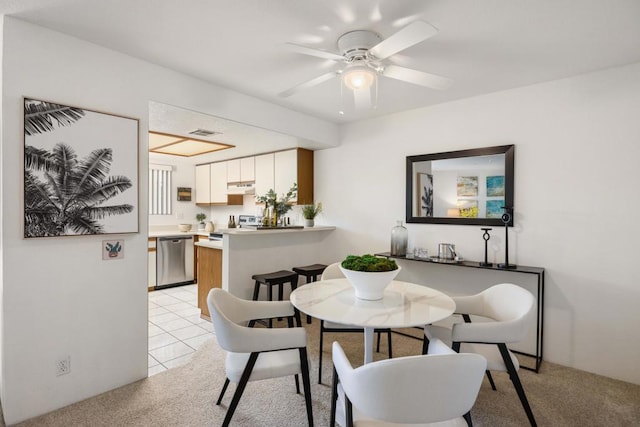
(259, 232)
(176, 232)
(211, 244)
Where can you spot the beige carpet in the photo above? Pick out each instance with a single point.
(185, 396)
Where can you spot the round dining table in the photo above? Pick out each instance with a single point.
(403, 305)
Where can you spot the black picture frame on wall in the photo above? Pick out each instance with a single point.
(80, 171)
(500, 157)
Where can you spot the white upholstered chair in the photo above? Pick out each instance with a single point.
(438, 388)
(507, 310)
(333, 272)
(257, 353)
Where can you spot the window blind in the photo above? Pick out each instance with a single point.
(160, 189)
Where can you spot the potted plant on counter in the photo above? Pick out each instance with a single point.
(200, 217)
(309, 212)
(369, 275)
(277, 208)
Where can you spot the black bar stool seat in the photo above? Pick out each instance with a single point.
(311, 273)
(277, 278)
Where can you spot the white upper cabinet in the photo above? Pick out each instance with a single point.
(203, 184)
(233, 170)
(219, 183)
(241, 170)
(247, 169)
(264, 173)
(285, 171)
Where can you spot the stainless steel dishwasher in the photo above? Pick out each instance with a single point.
(171, 262)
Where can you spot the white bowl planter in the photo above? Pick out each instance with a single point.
(369, 285)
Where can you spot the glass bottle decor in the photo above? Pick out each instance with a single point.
(399, 238)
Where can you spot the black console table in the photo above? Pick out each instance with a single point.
(537, 271)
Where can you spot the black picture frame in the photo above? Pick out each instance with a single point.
(509, 169)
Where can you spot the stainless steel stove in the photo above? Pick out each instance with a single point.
(248, 221)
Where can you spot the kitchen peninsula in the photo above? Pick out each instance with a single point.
(243, 252)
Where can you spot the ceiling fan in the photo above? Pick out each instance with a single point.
(364, 53)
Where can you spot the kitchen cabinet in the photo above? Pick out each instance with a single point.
(219, 183)
(203, 185)
(209, 274)
(279, 170)
(241, 170)
(264, 173)
(211, 186)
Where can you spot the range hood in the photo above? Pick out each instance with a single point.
(244, 188)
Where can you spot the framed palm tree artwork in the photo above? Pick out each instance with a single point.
(80, 171)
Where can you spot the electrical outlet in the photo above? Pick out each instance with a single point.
(63, 366)
(180, 215)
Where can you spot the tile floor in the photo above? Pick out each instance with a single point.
(175, 327)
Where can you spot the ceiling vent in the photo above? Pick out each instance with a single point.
(204, 132)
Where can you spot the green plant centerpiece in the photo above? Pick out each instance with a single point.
(276, 208)
(368, 263)
(369, 275)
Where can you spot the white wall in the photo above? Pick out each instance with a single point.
(58, 297)
(576, 163)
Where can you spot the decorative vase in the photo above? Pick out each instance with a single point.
(309, 222)
(370, 285)
(209, 227)
(399, 238)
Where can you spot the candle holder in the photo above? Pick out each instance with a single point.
(486, 236)
(506, 219)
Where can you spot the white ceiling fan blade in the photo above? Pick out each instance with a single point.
(306, 85)
(412, 34)
(417, 77)
(362, 98)
(314, 52)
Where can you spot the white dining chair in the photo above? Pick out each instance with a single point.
(333, 272)
(257, 353)
(435, 388)
(507, 310)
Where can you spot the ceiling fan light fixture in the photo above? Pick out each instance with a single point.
(358, 77)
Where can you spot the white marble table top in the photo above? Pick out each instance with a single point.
(404, 304)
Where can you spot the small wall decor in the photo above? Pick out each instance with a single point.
(494, 208)
(425, 194)
(468, 208)
(112, 249)
(495, 186)
(467, 186)
(184, 194)
(80, 171)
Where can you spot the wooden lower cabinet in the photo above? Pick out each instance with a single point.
(209, 275)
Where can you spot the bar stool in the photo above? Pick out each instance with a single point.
(277, 278)
(311, 273)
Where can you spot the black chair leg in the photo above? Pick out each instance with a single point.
(297, 383)
(389, 343)
(490, 378)
(320, 352)
(467, 418)
(270, 298)
(256, 291)
(334, 398)
(378, 344)
(244, 379)
(308, 319)
(515, 379)
(425, 345)
(224, 388)
(306, 383)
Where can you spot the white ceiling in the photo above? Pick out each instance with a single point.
(483, 45)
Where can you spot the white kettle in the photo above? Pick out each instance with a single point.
(209, 227)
